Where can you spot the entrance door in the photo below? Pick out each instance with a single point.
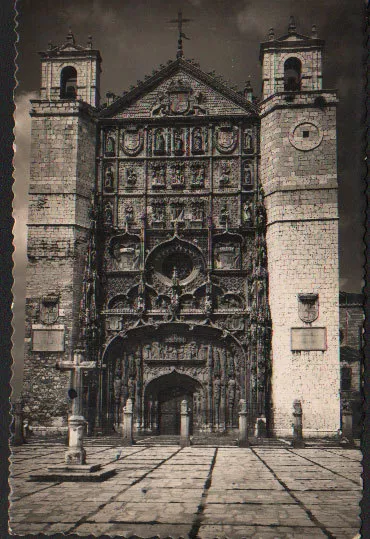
(170, 410)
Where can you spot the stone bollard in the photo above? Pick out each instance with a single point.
(76, 453)
(297, 425)
(243, 424)
(347, 422)
(18, 437)
(185, 425)
(128, 423)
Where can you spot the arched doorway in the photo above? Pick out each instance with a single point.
(163, 397)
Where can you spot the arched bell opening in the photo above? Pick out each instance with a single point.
(68, 83)
(162, 403)
(292, 75)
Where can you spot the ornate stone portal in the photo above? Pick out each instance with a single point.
(181, 264)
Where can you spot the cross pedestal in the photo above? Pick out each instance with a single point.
(75, 467)
(76, 453)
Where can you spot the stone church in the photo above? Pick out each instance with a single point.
(183, 237)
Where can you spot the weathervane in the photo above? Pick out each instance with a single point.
(180, 21)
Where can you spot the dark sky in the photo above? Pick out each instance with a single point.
(134, 37)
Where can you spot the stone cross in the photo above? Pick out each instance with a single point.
(243, 424)
(184, 424)
(297, 424)
(76, 453)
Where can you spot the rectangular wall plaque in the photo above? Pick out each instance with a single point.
(48, 340)
(308, 339)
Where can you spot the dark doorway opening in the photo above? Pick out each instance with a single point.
(168, 391)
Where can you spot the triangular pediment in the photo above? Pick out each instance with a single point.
(180, 89)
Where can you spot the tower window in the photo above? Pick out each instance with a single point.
(68, 83)
(292, 75)
(346, 378)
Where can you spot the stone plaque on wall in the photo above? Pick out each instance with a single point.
(308, 339)
(48, 339)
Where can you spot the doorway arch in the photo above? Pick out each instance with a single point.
(162, 401)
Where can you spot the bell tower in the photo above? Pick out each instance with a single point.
(62, 179)
(299, 178)
(71, 71)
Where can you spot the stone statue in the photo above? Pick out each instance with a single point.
(225, 174)
(247, 174)
(224, 214)
(131, 177)
(248, 142)
(110, 146)
(129, 214)
(159, 142)
(158, 176)
(108, 214)
(197, 141)
(108, 178)
(178, 143)
(147, 352)
(247, 213)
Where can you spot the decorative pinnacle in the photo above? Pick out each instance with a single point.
(70, 37)
(292, 26)
(314, 31)
(89, 42)
(271, 34)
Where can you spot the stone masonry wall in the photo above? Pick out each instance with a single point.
(62, 176)
(302, 251)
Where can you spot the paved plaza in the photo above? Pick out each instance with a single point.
(195, 492)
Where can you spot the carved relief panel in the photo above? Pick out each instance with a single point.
(130, 212)
(226, 211)
(226, 174)
(131, 175)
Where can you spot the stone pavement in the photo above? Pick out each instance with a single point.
(196, 492)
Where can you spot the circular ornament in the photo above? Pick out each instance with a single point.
(305, 136)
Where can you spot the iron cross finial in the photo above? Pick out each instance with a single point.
(180, 21)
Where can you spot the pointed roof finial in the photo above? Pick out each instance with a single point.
(70, 37)
(89, 42)
(292, 26)
(314, 31)
(271, 34)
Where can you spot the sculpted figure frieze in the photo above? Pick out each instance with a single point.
(159, 142)
(178, 175)
(108, 214)
(178, 142)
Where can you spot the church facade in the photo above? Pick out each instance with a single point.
(184, 237)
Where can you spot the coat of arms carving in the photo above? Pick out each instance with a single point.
(179, 99)
(226, 138)
(49, 309)
(308, 307)
(132, 141)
